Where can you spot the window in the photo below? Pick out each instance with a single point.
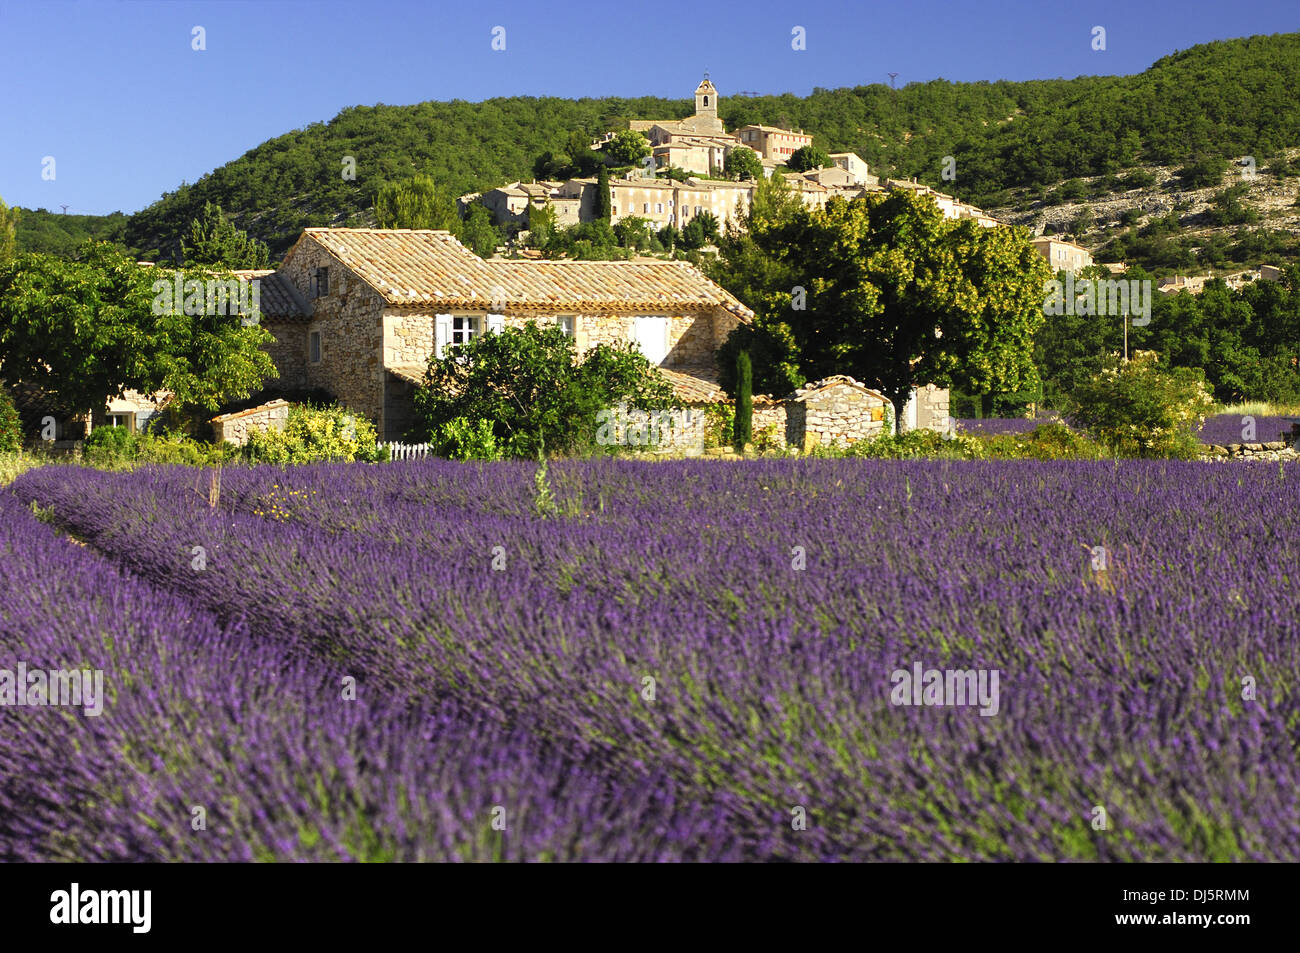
(314, 346)
(322, 282)
(614, 209)
(697, 210)
(659, 207)
(670, 203)
(463, 328)
(118, 420)
(706, 100)
(645, 208)
(565, 323)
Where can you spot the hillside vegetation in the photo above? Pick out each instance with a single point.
(1224, 99)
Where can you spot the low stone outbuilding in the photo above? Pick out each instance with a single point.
(235, 428)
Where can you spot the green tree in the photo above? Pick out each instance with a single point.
(807, 158)
(215, 242)
(8, 232)
(627, 148)
(744, 422)
(1139, 408)
(541, 225)
(603, 209)
(90, 328)
(700, 231)
(416, 202)
(1203, 172)
(743, 163)
(529, 383)
(898, 295)
(770, 285)
(477, 232)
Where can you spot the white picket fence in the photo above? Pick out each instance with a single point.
(408, 451)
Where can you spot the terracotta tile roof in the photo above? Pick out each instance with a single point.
(694, 385)
(425, 267)
(698, 384)
(414, 373)
(279, 299)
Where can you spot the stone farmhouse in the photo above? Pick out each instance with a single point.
(370, 306)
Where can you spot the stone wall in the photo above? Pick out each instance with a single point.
(289, 352)
(1274, 451)
(235, 428)
(932, 408)
(350, 321)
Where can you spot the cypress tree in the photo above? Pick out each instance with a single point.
(603, 205)
(744, 424)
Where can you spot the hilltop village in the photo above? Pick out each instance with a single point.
(699, 146)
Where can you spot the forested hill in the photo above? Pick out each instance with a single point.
(1228, 99)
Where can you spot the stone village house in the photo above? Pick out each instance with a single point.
(358, 312)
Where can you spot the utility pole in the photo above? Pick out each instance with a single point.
(892, 77)
(65, 209)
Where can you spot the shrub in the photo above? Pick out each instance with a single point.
(314, 434)
(11, 428)
(110, 447)
(1140, 409)
(1139, 179)
(529, 383)
(1203, 173)
(116, 448)
(461, 439)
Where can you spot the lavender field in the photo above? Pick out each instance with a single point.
(675, 661)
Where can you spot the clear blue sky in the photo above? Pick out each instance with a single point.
(113, 91)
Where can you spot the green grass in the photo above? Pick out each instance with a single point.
(1258, 408)
(12, 464)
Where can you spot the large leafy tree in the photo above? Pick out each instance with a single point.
(896, 295)
(86, 329)
(529, 383)
(213, 241)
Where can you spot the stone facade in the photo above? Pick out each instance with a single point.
(931, 408)
(289, 353)
(235, 428)
(348, 320)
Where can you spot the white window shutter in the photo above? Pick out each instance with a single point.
(441, 334)
(496, 323)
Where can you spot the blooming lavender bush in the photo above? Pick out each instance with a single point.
(711, 650)
(998, 425)
(1224, 429)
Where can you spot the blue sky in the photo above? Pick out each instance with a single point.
(114, 92)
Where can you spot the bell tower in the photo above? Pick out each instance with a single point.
(706, 100)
